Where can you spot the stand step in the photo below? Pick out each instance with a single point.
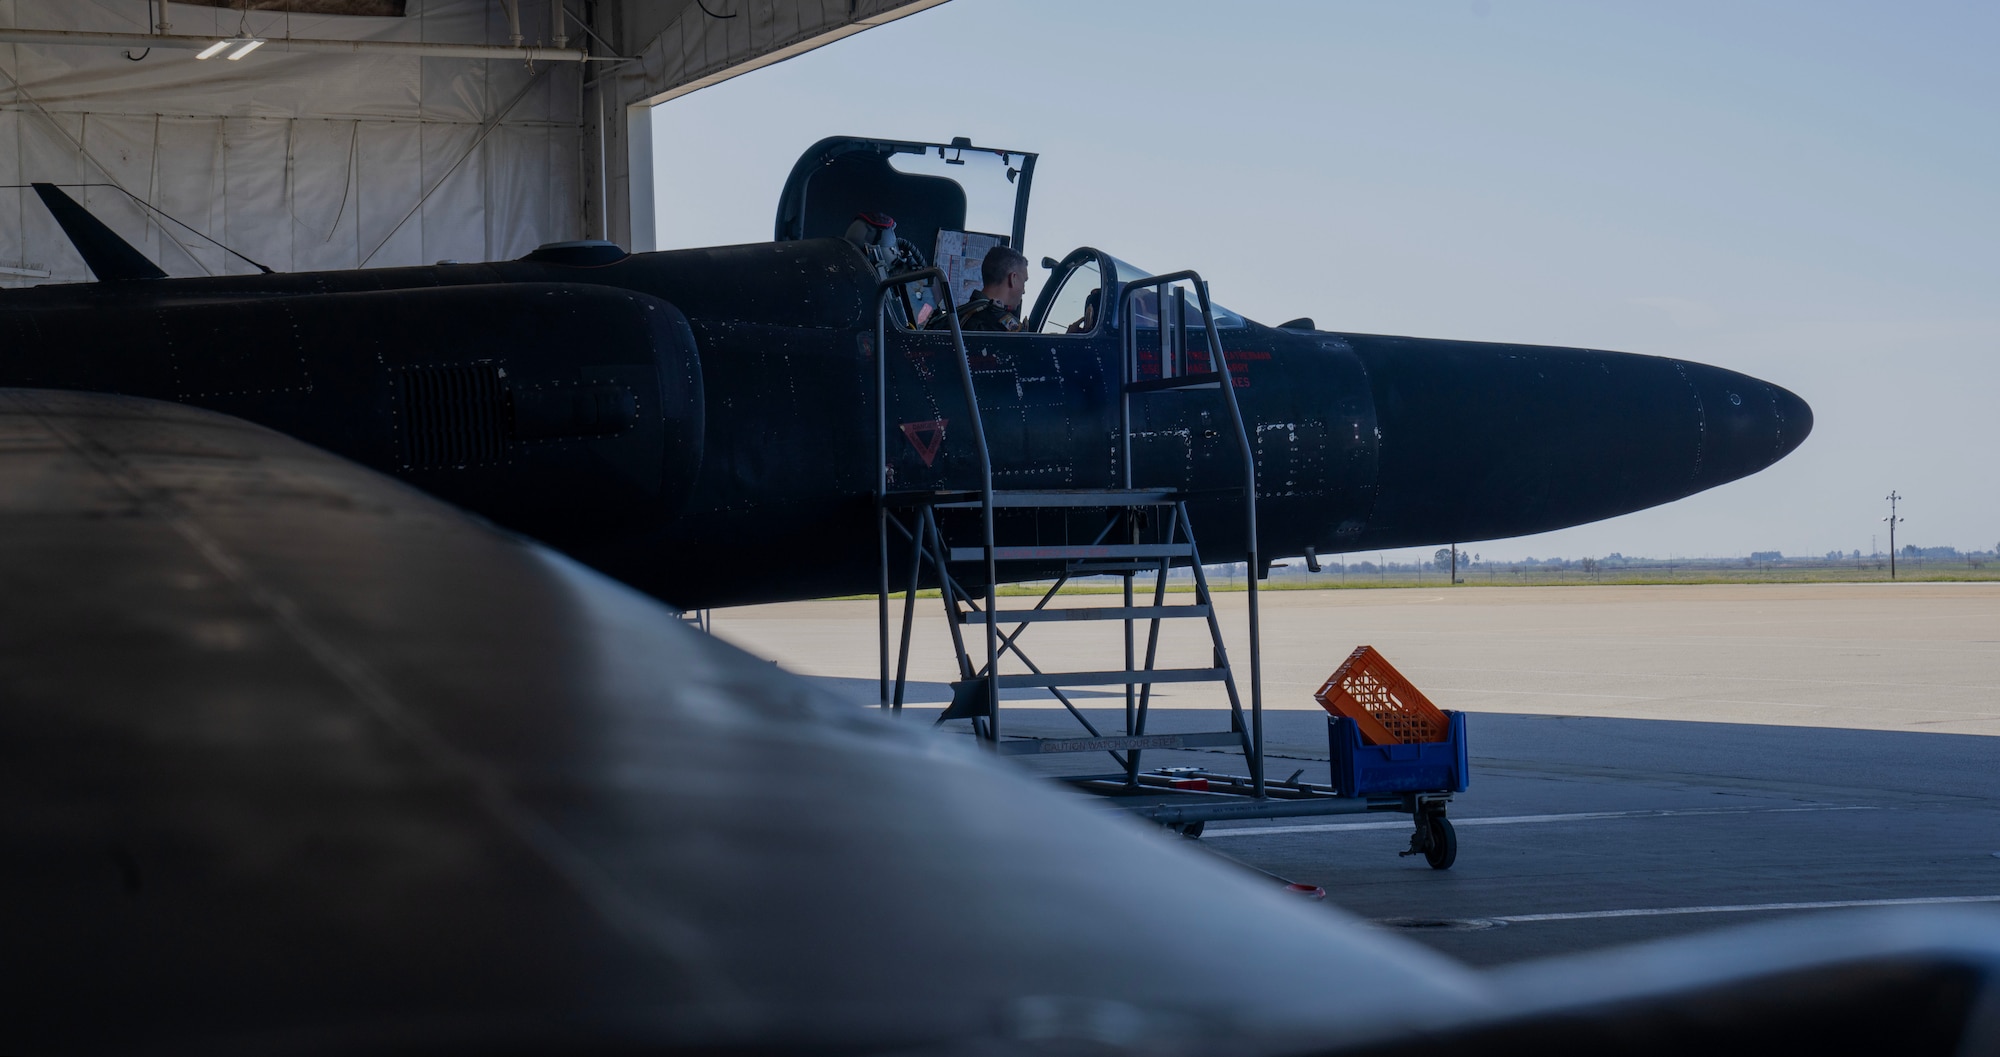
(1110, 568)
(1070, 552)
(1077, 497)
(1135, 677)
(1058, 497)
(1203, 380)
(929, 497)
(1116, 743)
(1030, 616)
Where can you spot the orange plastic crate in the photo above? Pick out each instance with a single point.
(1383, 704)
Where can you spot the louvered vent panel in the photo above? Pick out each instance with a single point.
(453, 416)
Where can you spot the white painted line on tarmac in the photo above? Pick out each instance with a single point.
(1442, 690)
(1741, 908)
(1525, 820)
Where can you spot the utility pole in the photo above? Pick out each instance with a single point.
(1892, 497)
(1454, 566)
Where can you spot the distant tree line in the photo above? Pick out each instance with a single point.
(1440, 562)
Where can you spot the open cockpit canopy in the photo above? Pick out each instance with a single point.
(949, 202)
(926, 187)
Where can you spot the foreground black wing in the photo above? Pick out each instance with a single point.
(298, 758)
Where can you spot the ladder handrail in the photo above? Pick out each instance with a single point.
(882, 476)
(1219, 363)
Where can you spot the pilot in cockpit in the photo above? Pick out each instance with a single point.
(997, 305)
(1089, 321)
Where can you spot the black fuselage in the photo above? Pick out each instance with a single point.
(703, 423)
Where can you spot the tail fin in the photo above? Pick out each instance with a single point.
(109, 257)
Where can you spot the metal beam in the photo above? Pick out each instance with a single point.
(85, 38)
(513, 9)
(840, 29)
(643, 234)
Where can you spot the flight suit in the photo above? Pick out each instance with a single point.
(980, 313)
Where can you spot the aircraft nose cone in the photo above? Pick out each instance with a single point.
(1794, 417)
(1746, 424)
(1489, 441)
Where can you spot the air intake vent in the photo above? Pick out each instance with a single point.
(453, 416)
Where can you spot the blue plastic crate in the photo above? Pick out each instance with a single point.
(1428, 767)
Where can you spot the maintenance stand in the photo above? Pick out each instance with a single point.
(1144, 531)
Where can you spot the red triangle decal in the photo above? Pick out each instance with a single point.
(926, 437)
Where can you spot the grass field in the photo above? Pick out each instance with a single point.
(1689, 573)
(1295, 578)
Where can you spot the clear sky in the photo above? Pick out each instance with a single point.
(1805, 191)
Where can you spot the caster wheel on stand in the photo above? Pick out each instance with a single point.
(1435, 840)
(1441, 850)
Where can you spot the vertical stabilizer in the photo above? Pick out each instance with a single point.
(109, 257)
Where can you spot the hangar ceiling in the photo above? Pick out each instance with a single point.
(354, 136)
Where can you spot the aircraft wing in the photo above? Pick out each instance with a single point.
(297, 759)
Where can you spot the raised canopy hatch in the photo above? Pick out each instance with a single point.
(926, 187)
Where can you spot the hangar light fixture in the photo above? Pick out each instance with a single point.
(243, 46)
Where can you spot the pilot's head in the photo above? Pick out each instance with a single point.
(1005, 274)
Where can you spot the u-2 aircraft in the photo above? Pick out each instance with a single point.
(692, 421)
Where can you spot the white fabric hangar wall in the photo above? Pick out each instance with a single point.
(299, 161)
